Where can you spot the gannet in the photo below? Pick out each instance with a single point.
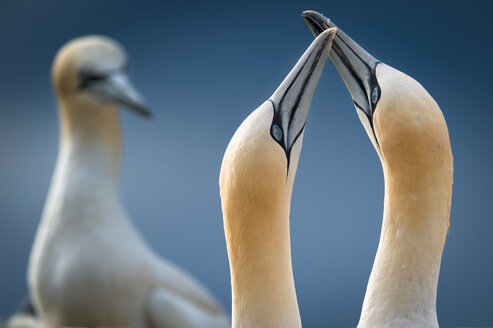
(256, 181)
(409, 132)
(89, 266)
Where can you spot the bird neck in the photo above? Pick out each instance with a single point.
(90, 138)
(259, 252)
(403, 283)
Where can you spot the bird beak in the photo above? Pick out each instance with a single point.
(117, 87)
(291, 100)
(355, 65)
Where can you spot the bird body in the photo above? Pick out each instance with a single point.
(256, 181)
(89, 266)
(410, 134)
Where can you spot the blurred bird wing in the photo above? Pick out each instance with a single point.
(168, 309)
(23, 320)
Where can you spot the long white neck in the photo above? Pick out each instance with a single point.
(260, 261)
(91, 134)
(256, 186)
(87, 169)
(403, 283)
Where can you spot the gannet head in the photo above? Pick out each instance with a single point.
(260, 161)
(403, 121)
(92, 70)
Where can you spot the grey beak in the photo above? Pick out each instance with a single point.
(117, 87)
(355, 65)
(292, 99)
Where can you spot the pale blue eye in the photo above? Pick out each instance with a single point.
(277, 132)
(374, 96)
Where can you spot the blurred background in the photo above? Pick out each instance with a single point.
(203, 67)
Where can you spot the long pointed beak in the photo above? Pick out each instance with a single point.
(119, 88)
(355, 65)
(293, 97)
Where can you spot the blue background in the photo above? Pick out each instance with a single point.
(204, 66)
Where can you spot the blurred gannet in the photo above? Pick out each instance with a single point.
(89, 266)
(409, 132)
(256, 182)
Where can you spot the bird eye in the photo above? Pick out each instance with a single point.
(374, 95)
(277, 132)
(87, 78)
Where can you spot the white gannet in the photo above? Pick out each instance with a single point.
(89, 266)
(256, 182)
(409, 132)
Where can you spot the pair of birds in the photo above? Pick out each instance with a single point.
(409, 133)
(89, 266)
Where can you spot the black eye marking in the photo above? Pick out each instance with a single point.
(87, 78)
(276, 132)
(376, 92)
(276, 127)
(374, 95)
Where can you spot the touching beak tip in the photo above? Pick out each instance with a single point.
(330, 33)
(326, 38)
(315, 21)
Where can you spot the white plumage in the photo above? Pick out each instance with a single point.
(89, 266)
